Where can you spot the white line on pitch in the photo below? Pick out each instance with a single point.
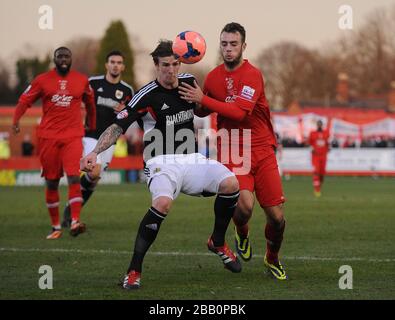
(178, 253)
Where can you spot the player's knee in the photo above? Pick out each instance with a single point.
(162, 204)
(229, 185)
(73, 179)
(275, 214)
(52, 184)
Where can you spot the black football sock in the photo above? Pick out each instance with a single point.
(224, 207)
(148, 230)
(88, 185)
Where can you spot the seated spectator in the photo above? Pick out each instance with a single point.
(27, 146)
(349, 143)
(335, 143)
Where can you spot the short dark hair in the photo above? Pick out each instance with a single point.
(163, 49)
(61, 48)
(114, 53)
(234, 27)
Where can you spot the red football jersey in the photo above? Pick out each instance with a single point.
(245, 87)
(61, 97)
(319, 140)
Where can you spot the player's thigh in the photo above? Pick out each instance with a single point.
(71, 155)
(204, 178)
(163, 178)
(268, 186)
(246, 180)
(50, 159)
(323, 165)
(315, 161)
(161, 185)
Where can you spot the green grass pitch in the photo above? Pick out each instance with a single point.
(353, 224)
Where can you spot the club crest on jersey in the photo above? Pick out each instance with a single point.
(156, 170)
(247, 92)
(62, 84)
(123, 114)
(118, 94)
(229, 84)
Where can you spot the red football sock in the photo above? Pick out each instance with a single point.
(274, 238)
(316, 183)
(52, 199)
(75, 201)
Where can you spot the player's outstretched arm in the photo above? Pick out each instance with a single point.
(108, 138)
(195, 94)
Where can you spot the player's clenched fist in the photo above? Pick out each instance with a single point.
(88, 162)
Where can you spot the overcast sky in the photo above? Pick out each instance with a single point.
(309, 22)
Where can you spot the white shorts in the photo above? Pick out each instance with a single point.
(192, 174)
(104, 158)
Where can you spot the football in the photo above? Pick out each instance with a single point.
(189, 47)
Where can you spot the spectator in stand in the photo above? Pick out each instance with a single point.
(27, 146)
(335, 143)
(349, 143)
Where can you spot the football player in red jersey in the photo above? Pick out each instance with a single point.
(235, 91)
(60, 132)
(319, 141)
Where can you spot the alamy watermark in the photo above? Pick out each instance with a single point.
(46, 280)
(346, 20)
(346, 280)
(231, 147)
(45, 21)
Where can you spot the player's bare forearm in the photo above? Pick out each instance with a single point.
(108, 138)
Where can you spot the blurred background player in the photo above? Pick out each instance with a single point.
(172, 165)
(111, 94)
(60, 133)
(319, 142)
(235, 90)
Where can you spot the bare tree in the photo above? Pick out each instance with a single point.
(293, 72)
(6, 94)
(368, 54)
(84, 52)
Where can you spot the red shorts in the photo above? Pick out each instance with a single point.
(319, 164)
(60, 155)
(263, 178)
